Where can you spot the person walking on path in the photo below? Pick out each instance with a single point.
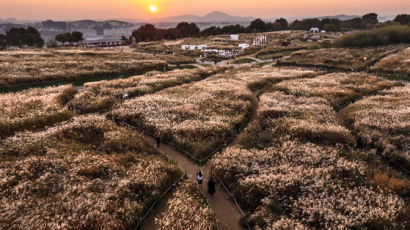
(199, 177)
(211, 187)
(158, 139)
(77, 109)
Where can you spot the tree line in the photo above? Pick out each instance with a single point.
(73, 37)
(149, 32)
(21, 37)
(30, 37)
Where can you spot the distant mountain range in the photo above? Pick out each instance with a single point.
(341, 17)
(92, 24)
(382, 18)
(215, 16)
(218, 16)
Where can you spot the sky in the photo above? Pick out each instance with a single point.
(111, 9)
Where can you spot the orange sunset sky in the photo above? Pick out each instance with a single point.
(106, 9)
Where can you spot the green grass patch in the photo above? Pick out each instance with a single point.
(243, 61)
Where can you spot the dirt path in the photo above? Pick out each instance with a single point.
(254, 115)
(226, 212)
(199, 66)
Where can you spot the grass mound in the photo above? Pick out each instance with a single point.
(376, 37)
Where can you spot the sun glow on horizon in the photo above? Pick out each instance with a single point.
(153, 9)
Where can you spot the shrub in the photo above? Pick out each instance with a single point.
(383, 180)
(339, 58)
(376, 37)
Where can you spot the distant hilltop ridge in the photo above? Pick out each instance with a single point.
(216, 16)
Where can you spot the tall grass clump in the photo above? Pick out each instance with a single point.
(337, 88)
(101, 175)
(382, 123)
(198, 117)
(305, 118)
(376, 37)
(32, 67)
(397, 63)
(33, 109)
(102, 95)
(352, 58)
(187, 209)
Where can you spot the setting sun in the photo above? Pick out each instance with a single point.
(153, 8)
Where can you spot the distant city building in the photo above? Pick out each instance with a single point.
(193, 47)
(103, 42)
(201, 47)
(118, 32)
(235, 37)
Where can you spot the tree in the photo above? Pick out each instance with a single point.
(24, 37)
(172, 33)
(73, 37)
(63, 38)
(213, 30)
(306, 24)
(76, 37)
(330, 27)
(403, 19)
(233, 29)
(3, 42)
(125, 40)
(257, 26)
(281, 23)
(353, 23)
(147, 33)
(332, 24)
(188, 29)
(369, 21)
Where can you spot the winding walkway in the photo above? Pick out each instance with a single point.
(227, 214)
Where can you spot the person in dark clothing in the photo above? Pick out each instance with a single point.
(237, 128)
(158, 139)
(211, 187)
(199, 177)
(77, 109)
